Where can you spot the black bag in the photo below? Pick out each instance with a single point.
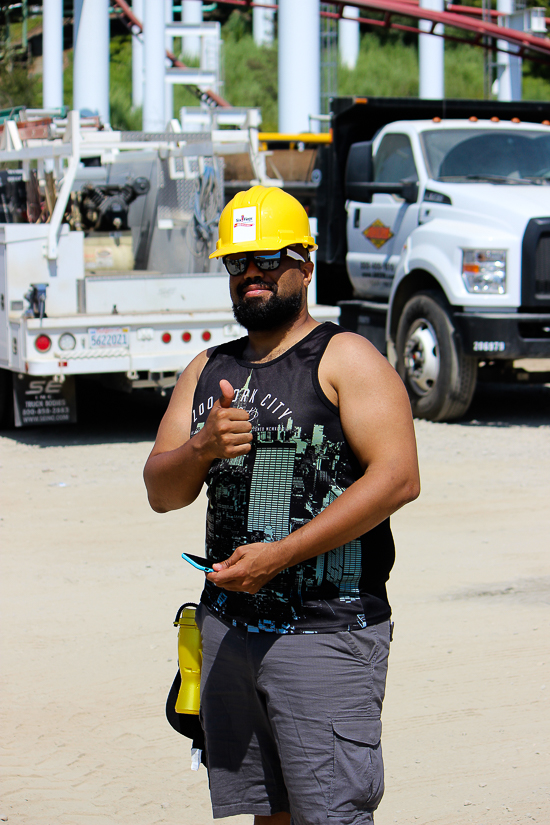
(188, 724)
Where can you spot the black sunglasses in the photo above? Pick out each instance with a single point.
(266, 261)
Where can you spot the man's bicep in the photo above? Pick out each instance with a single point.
(374, 406)
(175, 427)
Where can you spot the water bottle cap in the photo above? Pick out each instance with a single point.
(187, 617)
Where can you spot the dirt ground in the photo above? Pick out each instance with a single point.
(92, 579)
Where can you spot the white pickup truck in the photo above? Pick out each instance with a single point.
(448, 244)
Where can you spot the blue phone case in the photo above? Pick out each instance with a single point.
(196, 564)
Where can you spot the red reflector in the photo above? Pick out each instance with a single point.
(186, 336)
(63, 363)
(206, 336)
(166, 337)
(42, 343)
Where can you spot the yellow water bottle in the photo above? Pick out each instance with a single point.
(190, 659)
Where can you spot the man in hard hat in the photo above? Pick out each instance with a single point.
(303, 434)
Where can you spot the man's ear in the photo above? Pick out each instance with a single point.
(307, 269)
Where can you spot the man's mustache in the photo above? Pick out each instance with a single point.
(257, 281)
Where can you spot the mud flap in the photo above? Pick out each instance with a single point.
(39, 400)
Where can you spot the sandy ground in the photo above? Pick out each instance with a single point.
(91, 581)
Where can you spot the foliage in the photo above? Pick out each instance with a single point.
(251, 77)
(464, 71)
(383, 69)
(18, 87)
(68, 78)
(238, 26)
(389, 67)
(123, 115)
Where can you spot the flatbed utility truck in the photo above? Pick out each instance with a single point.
(104, 267)
(437, 213)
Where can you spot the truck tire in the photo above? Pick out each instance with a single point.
(439, 378)
(6, 399)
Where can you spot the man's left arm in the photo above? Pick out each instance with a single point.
(376, 419)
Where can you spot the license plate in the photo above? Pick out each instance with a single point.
(108, 337)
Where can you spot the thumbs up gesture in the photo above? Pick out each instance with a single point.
(228, 394)
(227, 432)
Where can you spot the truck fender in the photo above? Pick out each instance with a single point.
(432, 259)
(414, 273)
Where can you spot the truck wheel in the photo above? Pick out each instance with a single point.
(6, 399)
(439, 378)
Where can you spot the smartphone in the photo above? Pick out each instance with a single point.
(198, 562)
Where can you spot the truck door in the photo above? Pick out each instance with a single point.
(377, 231)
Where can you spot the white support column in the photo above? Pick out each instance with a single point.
(137, 57)
(154, 57)
(169, 44)
(299, 65)
(431, 56)
(91, 57)
(263, 26)
(348, 37)
(509, 68)
(191, 12)
(52, 50)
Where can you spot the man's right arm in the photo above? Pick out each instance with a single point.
(178, 464)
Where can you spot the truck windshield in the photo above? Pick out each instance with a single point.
(495, 156)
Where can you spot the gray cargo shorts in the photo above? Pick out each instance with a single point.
(292, 722)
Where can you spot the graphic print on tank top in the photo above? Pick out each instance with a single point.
(299, 463)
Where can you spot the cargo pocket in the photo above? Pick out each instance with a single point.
(358, 772)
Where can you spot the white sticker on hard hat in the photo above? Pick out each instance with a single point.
(244, 224)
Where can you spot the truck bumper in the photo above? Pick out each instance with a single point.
(503, 335)
(155, 342)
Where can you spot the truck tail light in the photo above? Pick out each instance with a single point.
(43, 343)
(186, 336)
(206, 336)
(166, 337)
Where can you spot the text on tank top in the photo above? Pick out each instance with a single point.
(299, 463)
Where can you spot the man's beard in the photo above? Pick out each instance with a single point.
(257, 314)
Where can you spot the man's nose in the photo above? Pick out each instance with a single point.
(252, 271)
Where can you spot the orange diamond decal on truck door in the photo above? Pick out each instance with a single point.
(378, 233)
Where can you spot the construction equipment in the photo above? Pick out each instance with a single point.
(104, 245)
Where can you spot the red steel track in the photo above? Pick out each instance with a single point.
(465, 19)
(135, 25)
(527, 45)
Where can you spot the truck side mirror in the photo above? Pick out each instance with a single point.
(409, 190)
(359, 172)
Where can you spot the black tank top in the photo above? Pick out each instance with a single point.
(300, 461)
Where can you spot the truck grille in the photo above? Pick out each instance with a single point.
(542, 265)
(535, 265)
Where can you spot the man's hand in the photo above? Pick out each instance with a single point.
(227, 432)
(178, 465)
(249, 567)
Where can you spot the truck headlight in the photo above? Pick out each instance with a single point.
(484, 271)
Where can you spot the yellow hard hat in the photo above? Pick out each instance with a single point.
(262, 218)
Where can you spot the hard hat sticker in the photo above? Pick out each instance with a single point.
(244, 224)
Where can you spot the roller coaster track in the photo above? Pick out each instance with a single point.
(527, 46)
(483, 33)
(135, 25)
